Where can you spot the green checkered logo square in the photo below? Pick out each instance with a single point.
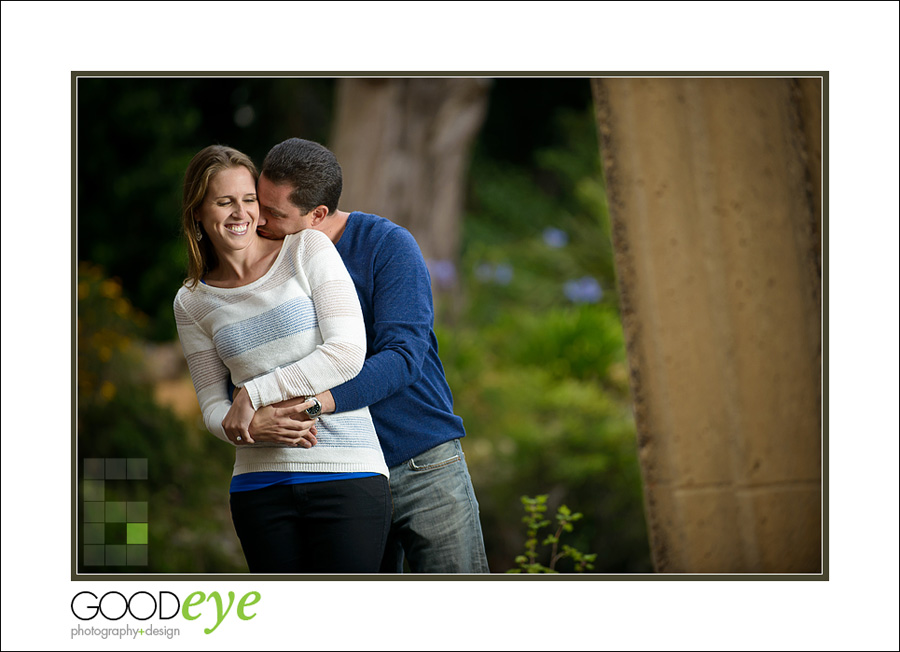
(114, 527)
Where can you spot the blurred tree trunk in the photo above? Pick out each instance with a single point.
(404, 148)
(714, 189)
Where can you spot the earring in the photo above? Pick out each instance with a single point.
(198, 234)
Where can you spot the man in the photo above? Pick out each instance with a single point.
(435, 516)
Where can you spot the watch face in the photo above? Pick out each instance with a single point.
(314, 410)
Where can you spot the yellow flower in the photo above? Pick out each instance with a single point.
(110, 289)
(108, 390)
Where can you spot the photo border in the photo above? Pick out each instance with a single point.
(76, 474)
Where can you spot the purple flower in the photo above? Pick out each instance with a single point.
(443, 272)
(484, 272)
(583, 290)
(501, 273)
(555, 238)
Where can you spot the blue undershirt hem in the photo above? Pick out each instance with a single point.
(263, 479)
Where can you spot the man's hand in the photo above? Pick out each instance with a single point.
(285, 423)
(237, 422)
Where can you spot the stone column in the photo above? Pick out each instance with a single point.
(714, 202)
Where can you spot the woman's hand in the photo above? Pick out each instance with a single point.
(237, 422)
(285, 423)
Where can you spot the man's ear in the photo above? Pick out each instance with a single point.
(319, 213)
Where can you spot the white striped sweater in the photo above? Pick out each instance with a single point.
(296, 331)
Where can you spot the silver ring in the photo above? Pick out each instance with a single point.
(239, 438)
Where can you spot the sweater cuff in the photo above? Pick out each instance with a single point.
(215, 422)
(345, 398)
(264, 390)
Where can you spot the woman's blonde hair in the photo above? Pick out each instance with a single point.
(206, 164)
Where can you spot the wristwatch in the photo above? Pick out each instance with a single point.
(316, 409)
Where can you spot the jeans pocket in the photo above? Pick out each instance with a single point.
(437, 457)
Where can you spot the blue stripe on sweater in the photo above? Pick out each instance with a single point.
(290, 318)
(354, 432)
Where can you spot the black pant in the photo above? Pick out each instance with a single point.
(320, 527)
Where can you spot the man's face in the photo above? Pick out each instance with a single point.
(278, 217)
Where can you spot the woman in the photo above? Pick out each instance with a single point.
(279, 319)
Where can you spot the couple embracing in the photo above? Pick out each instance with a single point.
(308, 333)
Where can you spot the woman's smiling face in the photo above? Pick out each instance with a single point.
(230, 211)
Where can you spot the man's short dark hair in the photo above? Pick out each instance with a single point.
(310, 169)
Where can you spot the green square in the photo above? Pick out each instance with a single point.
(93, 555)
(93, 490)
(115, 512)
(137, 468)
(94, 533)
(115, 468)
(94, 512)
(93, 468)
(115, 555)
(136, 512)
(136, 555)
(137, 533)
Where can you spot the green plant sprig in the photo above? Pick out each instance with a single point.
(534, 519)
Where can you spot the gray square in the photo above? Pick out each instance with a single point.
(137, 468)
(93, 490)
(115, 512)
(115, 468)
(115, 555)
(136, 512)
(93, 555)
(93, 468)
(94, 512)
(136, 555)
(94, 533)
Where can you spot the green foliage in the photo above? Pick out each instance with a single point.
(538, 369)
(535, 508)
(189, 525)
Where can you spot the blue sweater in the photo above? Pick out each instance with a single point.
(402, 380)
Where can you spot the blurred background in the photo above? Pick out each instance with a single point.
(499, 180)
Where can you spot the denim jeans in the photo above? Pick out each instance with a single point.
(435, 515)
